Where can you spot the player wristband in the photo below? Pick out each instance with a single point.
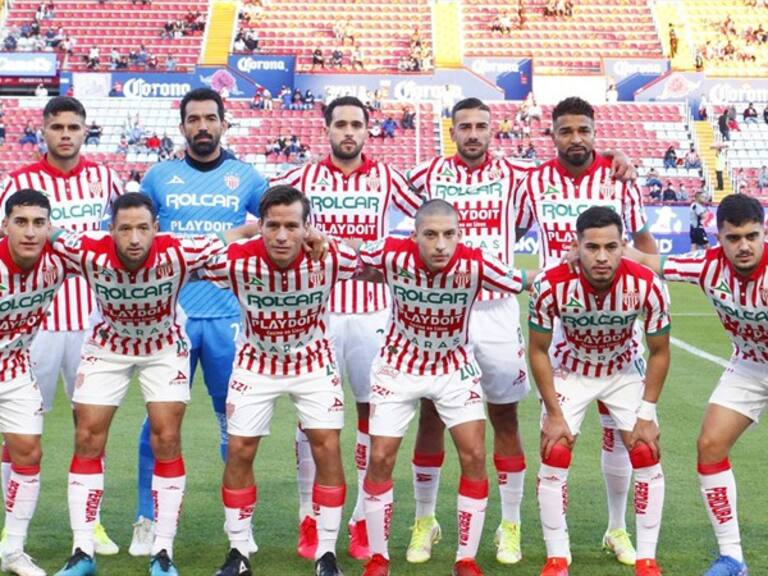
(647, 410)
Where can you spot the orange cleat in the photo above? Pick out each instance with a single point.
(555, 566)
(358, 541)
(466, 567)
(376, 566)
(647, 567)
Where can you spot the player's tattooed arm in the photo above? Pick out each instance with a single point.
(646, 429)
(554, 428)
(621, 166)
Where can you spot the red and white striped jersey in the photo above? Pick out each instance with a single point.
(551, 198)
(354, 206)
(741, 303)
(25, 297)
(482, 195)
(284, 309)
(427, 333)
(80, 201)
(598, 329)
(137, 309)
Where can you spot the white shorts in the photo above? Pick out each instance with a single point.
(104, 376)
(21, 406)
(497, 341)
(621, 394)
(318, 397)
(357, 339)
(395, 396)
(743, 388)
(52, 353)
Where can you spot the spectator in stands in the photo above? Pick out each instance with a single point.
(268, 103)
(348, 35)
(273, 148)
(286, 97)
(703, 107)
(722, 125)
(309, 99)
(655, 193)
(318, 59)
(611, 95)
(136, 134)
(252, 40)
(762, 179)
(415, 38)
(750, 114)
(153, 143)
(672, 41)
(691, 159)
(92, 59)
(408, 121)
(304, 155)
(123, 63)
(2, 132)
(377, 100)
(375, 130)
(337, 58)
(170, 63)
(123, 147)
(733, 124)
(740, 182)
(719, 167)
(503, 22)
(297, 100)
(133, 182)
(652, 179)
(152, 62)
(117, 90)
(10, 43)
(534, 110)
(669, 194)
(447, 101)
(682, 193)
(142, 57)
(670, 158)
(338, 29)
(29, 135)
(166, 144)
(530, 152)
(238, 45)
(41, 91)
(388, 127)
(505, 130)
(93, 136)
(356, 58)
(697, 232)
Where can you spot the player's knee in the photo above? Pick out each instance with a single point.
(710, 448)
(27, 452)
(89, 442)
(642, 456)
(325, 445)
(472, 460)
(382, 463)
(166, 443)
(559, 457)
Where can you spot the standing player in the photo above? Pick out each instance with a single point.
(434, 280)
(734, 276)
(208, 191)
(481, 188)
(283, 295)
(80, 192)
(30, 275)
(552, 196)
(698, 233)
(351, 197)
(598, 357)
(136, 276)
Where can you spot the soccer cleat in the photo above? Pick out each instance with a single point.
(466, 567)
(507, 541)
(162, 565)
(103, 544)
(727, 566)
(619, 544)
(358, 541)
(307, 545)
(79, 564)
(376, 566)
(19, 563)
(426, 532)
(326, 566)
(235, 564)
(647, 567)
(143, 536)
(555, 566)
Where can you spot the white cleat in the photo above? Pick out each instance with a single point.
(252, 546)
(20, 563)
(102, 543)
(143, 536)
(425, 533)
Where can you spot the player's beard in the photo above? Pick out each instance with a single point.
(204, 148)
(62, 157)
(342, 154)
(578, 158)
(480, 153)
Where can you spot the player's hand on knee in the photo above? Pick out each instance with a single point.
(646, 431)
(553, 430)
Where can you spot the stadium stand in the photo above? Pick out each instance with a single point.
(603, 29)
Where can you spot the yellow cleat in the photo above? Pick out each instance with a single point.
(507, 541)
(426, 532)
(619, 544)
(103, 544)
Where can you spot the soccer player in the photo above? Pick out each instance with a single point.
(351, 197)
(733, 277)
(434, 280)
(80, 192)
(136, 275)
(598, 358)
(552, 196)
(30, 275)
(481, 188)
(284, 296)
(207, 191)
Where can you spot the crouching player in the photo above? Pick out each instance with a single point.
(597, 359)
(434, 280)
(284, 296)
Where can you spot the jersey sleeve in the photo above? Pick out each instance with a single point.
(406, 199)
(656, 309)
(290, 178)
(498, 277)
(684, 267)
(148, 188)
(256, 192)
(7, 188)
(541, 306)
(635, 218)
(216, 269)
(522, 204)
(197, 250)
(70, 246)
(346, 262)
(117, 188)
(417, 178)
(372, 254)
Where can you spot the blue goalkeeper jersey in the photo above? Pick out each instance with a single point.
(196, 198)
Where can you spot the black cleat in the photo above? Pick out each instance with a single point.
(326, 566)
(235, 564)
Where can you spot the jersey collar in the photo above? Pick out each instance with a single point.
(56, 173)
(589, 289)
(364, 167)
(456, 159)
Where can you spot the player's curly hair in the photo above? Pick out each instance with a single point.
(739, 209)
(573, 106)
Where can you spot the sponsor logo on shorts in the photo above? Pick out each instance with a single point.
(386, 370)
(379, 390)
(561, 398)
(180, 378)
(521, 378)
(338, 405)
(238, 386)
(474, 398)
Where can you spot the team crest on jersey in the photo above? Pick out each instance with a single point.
(232, 181)
(764, 294)
(49, 276)
(372, 181)
(494, 173)
(316, 278)
(164, 271)
(607, 190)
(95, 188)
(461, 279)
(631, 299)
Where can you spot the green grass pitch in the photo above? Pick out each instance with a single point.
(686, 548)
